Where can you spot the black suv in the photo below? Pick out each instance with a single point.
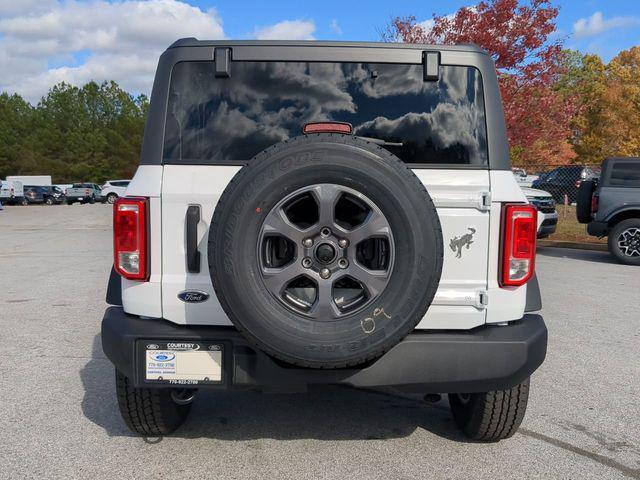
(48, 195)
(563, 181)
(611, 207)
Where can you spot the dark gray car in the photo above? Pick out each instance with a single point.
(611, 207)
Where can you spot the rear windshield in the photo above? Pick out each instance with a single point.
(225, 120)
(625, 174)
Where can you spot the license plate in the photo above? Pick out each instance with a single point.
(183, 363)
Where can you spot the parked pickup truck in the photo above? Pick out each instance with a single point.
(83, 193)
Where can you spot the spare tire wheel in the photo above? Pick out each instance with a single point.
(583, 200)
(325, 251)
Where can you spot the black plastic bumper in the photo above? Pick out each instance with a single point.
(485, 358)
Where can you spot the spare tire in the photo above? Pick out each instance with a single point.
(583, 200)
(325, 251)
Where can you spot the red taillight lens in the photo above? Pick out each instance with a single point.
(328, 127)
(519, 244)
(130, 237)
(595, 200)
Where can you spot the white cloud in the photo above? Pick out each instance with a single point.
(335, 28)
(287, 30)
(115, 41)
(427, 25)
(596, 24)
(14, 7)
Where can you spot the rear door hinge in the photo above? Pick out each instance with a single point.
(222, 59)
(431, 66)
(462, 297)
(482, 299)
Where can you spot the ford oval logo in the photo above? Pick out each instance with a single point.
(193, 296)
(163, 356)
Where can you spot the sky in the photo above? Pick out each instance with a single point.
(43, 42)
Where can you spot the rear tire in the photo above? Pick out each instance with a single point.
(149, 411)
(490, 416)
(92, 200)
(69, 202)
(111, 198)
(24, 202)
(628, 232)
(48, 201)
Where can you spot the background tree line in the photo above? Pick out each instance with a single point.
(92, 133)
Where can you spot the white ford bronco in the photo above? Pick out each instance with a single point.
(324, 213)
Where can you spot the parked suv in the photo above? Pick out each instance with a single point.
(113, 189)
(563, 181)
(344, 213)
(48, 195)
(610, 207)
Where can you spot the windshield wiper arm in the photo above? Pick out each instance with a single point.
(379, 141)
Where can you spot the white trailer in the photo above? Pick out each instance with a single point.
(32, 180)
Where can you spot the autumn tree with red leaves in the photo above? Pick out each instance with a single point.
(529, 66)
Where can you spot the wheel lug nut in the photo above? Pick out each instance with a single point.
(307, 242)
(343, 263)
(325, 273)
(306, 262)
(343, 243)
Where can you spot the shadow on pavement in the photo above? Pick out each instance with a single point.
(99, 403)
(577, 254)
(324, 413)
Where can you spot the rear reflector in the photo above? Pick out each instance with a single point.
(519, 244)
(595, 200)
(130, 237)
(328, 127)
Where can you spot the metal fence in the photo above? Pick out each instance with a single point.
(562, 182)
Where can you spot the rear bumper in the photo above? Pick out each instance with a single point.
(548, 223)
(485, 358)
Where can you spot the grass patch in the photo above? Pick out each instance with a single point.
(569, 229)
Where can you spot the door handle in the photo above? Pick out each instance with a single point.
(193, 255)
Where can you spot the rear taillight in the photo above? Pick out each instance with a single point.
(519, 244)
(130, 237)
(595, 200)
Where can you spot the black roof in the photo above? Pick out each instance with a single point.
(194, 42)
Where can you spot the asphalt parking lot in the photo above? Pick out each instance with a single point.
(59, 417)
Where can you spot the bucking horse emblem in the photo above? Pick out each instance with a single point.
(458, 243)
